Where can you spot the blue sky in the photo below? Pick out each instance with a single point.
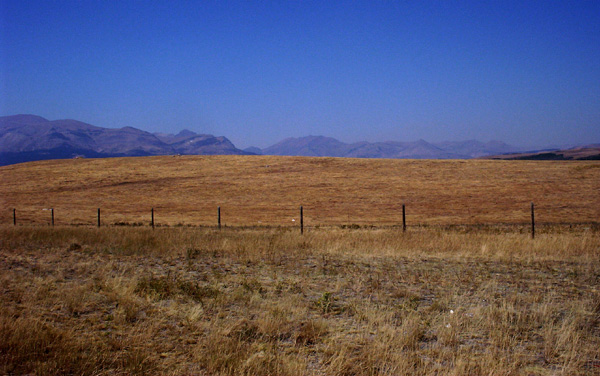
(525, 72)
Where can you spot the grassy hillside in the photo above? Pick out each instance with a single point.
(262, 190)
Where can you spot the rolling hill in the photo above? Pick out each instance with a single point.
(589, 152)
(261, 190)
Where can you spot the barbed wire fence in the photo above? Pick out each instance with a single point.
(151, 218)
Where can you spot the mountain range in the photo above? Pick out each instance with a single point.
(26, 138)
(319, 146)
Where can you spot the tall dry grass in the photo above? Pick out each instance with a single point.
(126, 300)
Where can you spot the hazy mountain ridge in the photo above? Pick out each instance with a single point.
(320, 146)
(173, 138)
(309, 146)
(28, 137)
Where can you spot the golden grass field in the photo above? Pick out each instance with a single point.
(267, 300)
(198, 301)
(263, 190)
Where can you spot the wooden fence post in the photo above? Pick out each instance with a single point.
(98, 217)
(532, 222)
(14, 217)
(152, 211)
(219, 217)
(301, 220)
(403, 218)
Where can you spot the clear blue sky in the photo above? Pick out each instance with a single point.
(525, 72)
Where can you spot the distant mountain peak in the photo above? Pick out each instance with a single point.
(253, 150)
(311, 146)
(174, 138)
(323, 146)
(29, 137)
(186, 133)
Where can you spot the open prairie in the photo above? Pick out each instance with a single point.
(267, 300)
(263, 190)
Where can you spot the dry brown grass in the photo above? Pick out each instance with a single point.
(270, 301)
(436, 300)
(261, 190)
